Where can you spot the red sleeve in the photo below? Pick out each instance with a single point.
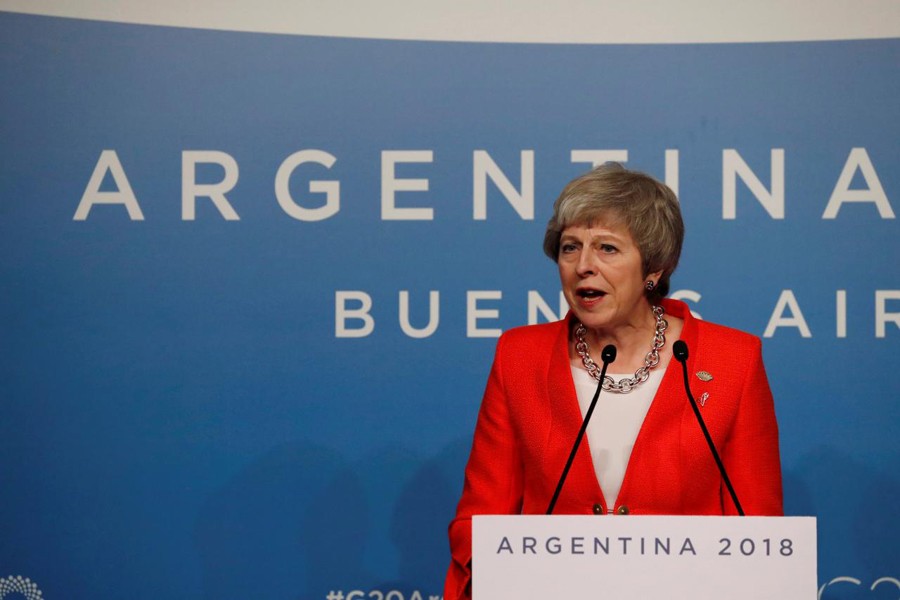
(751, 454)
(494, 478)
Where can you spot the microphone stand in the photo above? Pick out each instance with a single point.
(608, 355)
(681, 353)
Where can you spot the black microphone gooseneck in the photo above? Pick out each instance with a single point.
(607, 355)
(680, 350)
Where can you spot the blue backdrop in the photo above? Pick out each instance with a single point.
(194, 407)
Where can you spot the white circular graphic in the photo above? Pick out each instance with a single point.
(20, 584)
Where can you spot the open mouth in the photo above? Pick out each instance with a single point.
(589, 293)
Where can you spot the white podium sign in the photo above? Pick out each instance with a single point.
(532, 557)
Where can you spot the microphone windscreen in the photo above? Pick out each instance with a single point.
(680, 350)
(608, 354)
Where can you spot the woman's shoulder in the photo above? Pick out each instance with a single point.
(709, 335)
(724, 349)
(708, 332)
(538, 334)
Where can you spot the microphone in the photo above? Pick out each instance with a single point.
(680, 350)
(607, 355)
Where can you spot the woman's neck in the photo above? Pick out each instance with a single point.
(632, 341)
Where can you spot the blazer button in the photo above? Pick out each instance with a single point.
(598, 509)
(622, 510)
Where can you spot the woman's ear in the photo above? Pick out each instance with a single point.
(652, 278)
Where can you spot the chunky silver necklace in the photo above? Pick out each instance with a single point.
(626, 384)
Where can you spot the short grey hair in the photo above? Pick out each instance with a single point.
(613, 194)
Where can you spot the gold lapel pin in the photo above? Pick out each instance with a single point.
(704, 376)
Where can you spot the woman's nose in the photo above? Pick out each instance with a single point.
(585, 266)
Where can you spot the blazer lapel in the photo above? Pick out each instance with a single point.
(663, 419)
(581, 486)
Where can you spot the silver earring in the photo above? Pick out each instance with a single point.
(650, 285)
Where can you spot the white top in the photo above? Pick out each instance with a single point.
(614, 426)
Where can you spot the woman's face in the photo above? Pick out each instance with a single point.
(601, 274)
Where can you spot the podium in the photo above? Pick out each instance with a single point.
(536, 557)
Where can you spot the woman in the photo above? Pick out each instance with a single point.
(616, 237)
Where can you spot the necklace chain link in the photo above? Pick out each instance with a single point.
(626, 384)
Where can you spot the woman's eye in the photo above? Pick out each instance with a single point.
(566, 248)
(607, 248)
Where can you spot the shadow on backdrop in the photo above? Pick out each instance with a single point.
(287, 526)
(830, 484)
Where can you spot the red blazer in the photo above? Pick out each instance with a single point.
(529, 418)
